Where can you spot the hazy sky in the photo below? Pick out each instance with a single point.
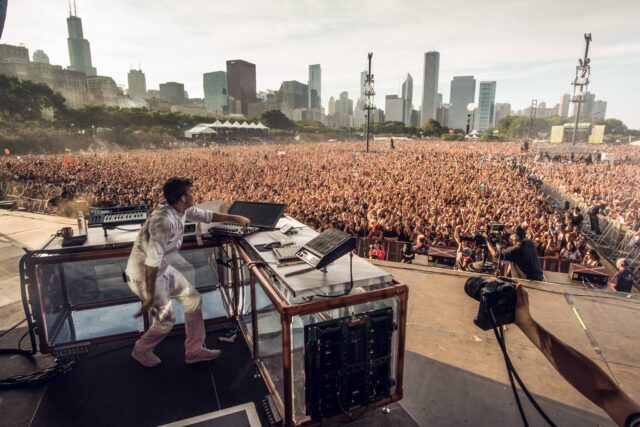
(529, 47)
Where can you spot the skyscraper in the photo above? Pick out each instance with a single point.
(394, 108)
(172, 92)
(241, 85)
(485, 114)
(315, 86)
(344, 110)
(430, 85)
(563, 108)
(137, 84)
(463, 92)
(294, 95)
(40, 56)
(407, 96)
(215, 90)
(331, 109)
(363, 81)
(599, 110)
(79, 49)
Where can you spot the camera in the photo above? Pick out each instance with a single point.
(497, 301)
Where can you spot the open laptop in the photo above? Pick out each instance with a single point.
(263, 216)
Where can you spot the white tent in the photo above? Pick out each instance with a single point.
(201, 129)
(261, 126)
(236, 125)
(226, 125)
(253, 126)
(244, 125)
(636, 143)
(217, 124)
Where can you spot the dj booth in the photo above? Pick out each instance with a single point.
(329, 344)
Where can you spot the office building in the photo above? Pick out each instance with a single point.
(315, 87)
(442, 114)
(430, 85)
(331, 108)
(40, 56)
(13, 54)
(137, 84)
(241, 85)
(344, 110)
(485, 114)
(599, 111)
(172, 92)
(394, 108)
(294, 94)
(79, 48)
(407, 96)
(563, 107)
(463, 93)
(215, 90)
(102, 90)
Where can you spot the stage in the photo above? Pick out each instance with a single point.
(454, 372)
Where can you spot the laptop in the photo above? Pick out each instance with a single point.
(263, 216)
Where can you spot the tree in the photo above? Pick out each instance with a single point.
(275, 119)
(24, 100)
(432, 128)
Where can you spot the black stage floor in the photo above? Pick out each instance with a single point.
(108, 388)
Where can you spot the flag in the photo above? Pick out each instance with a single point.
(68, 150)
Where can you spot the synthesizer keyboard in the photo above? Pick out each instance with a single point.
(113, 217)
(231, 229)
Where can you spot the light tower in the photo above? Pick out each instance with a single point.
(580, 84)
(369, 92)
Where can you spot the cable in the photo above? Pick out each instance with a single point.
(13, 327)
(513, 385)
(349, 289)
(512, 370)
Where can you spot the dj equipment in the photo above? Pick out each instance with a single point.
(286, 253)
(348, 363)
(110, 218)
(113, 217)
(595, 275)
(326, 248)
(231, 229)
(262, 215)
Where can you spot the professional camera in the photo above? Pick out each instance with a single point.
(497, 301)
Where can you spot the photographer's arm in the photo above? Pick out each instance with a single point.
(579, 371)
(492, 249)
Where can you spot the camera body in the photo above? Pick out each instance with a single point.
(497, 301)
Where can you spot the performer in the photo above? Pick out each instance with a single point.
(151, 276)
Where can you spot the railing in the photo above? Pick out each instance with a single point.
(21, 193)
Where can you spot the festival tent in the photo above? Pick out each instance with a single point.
(236, 125)
(244, 125)
(253, 126)
(226, 125)
(201, 129)
(636, 143)
(261, 126)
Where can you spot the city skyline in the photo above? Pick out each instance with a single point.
(520, 60)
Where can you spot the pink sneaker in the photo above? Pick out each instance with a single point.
(146, 358)
(202, 355)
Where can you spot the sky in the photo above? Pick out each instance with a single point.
(530, 48)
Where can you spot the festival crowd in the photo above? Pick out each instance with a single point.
(419, 192)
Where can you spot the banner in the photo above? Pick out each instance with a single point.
(597, 134)
(557, 134)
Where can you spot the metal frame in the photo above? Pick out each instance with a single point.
(284, 404)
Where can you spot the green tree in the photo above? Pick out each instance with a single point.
(277, 120)
(432, 128)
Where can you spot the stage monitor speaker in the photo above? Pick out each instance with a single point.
(326, 248)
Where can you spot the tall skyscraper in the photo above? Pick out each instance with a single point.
(3, 14)
(172, 92)
(294, 95)
(137, 84)
(485, 114)
(315, 86)
(215, 90)
(40, 57)
(463, 92)
(430, 85)
(344, 110)
(599, 110)
(363, 81)
(241, 85)
(563, 108)
(79, 49)
(439, 100)
(407, 96)
(394, 108)
(331, 109)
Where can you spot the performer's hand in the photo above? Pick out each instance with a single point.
(244, 222)
(146, 305)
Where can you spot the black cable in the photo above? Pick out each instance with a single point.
(13, 327)
(349, 289)
(513, 385)
(512, 369)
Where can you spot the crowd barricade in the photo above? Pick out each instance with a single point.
(554, 264)
(392, 248)
(29, 195)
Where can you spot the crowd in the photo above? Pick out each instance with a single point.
(419, 192)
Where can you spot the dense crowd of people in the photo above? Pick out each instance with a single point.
(419, 192)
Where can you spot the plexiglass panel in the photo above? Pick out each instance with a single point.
(52, 297)
(270, 340)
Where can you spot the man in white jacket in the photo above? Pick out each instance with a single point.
(151, 276)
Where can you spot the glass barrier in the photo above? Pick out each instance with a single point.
(51, 295)
(270, 340)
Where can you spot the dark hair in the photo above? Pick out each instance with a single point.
(520, 233)
(174, 188)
